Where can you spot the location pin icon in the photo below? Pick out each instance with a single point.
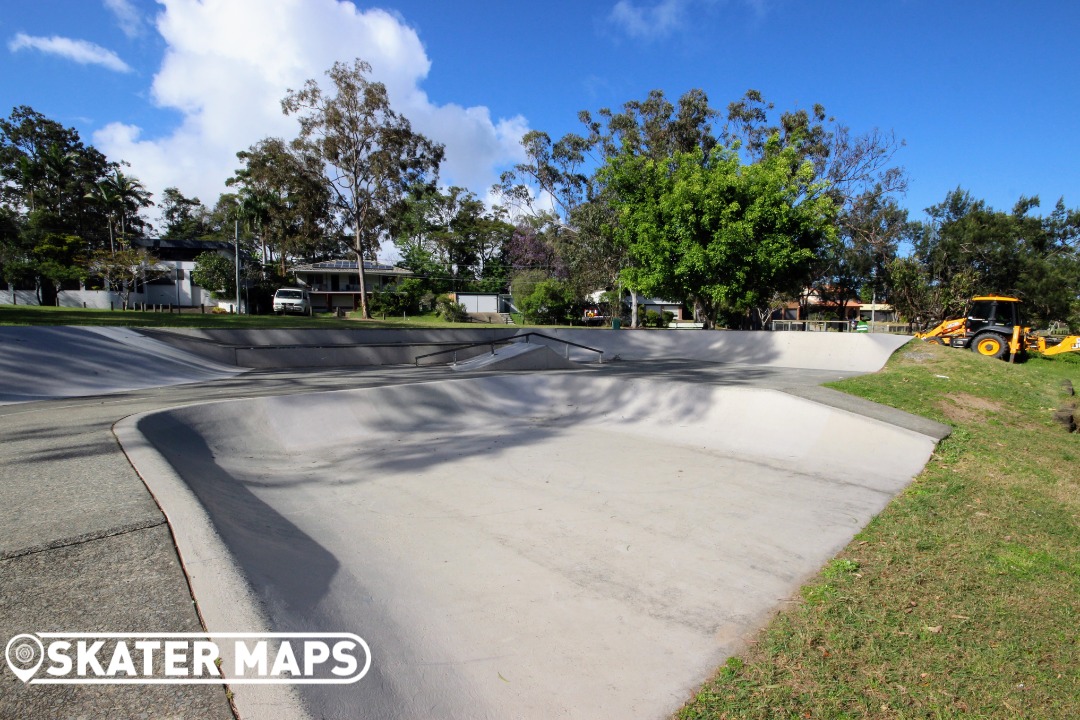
(24, 656)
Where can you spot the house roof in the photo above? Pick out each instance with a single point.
(351, 266)
(181, 244)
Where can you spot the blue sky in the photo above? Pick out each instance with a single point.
(985, 93)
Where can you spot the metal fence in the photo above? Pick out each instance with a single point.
(839, 326)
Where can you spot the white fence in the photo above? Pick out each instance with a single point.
(106, 300)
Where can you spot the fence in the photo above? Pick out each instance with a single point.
(107, 300)
(839, 326)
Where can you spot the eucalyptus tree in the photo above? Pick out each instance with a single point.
(285, 200)
(181, 216)
(967, 247)
(372, 154)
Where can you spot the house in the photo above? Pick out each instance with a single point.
(177, 256)
(173, 287)
(336, 283)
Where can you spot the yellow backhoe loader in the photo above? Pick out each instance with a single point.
(993, 328)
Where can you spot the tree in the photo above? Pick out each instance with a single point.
(452, 239)
(183, 217)
(566, 172)
(126, 269)
(915, 295)
(856, 263)
(967, 247)
(216, 273)
(54, 259)
(285, 200)
(131, 197)
(722, 235)
(372, 153)
(548, 301)
(105, 195)
(46, 174)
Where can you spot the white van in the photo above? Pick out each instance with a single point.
(295, 300)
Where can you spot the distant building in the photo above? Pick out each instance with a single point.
(177, 256)
(336, 283)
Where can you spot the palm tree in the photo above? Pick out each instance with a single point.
(29, 173)
(131, 196)
(107, 197)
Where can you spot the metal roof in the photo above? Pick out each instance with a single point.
(346, 265)
(181, 243)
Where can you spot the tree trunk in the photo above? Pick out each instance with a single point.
(633, 308)
(46, 292)
(364, 313)
(702, 315)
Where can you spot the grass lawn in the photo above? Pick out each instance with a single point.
(36, 315)
(962, 598)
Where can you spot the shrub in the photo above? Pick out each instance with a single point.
(449, 310)
(549, 302)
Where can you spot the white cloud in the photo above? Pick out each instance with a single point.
(80, 51)
(648, 22)
(662, 19)
(228, 63)
(127, 16)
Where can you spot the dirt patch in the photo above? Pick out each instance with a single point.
(964, 408)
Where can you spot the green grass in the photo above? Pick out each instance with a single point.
(36, 315)
(962, 598)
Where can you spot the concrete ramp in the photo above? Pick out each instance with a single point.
(341, 347)
(530, 546)
(517, 356)
(41, 363)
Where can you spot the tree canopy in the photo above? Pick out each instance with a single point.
(722, 234)
(372, 154)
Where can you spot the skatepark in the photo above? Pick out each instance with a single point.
(590, 541)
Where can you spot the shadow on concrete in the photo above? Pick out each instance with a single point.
(262, 540)
(39, 363)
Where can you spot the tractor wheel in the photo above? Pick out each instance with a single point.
(990, 345)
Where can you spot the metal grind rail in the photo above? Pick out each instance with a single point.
(509, 341)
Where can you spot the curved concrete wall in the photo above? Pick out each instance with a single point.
(515, 546)
(326, 348)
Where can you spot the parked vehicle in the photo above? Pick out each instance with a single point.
(292, 300)
(993, 328)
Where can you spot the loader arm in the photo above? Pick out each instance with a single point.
(1067, 344)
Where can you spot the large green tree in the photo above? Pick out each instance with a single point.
(47, 179)
(285, 199)
(858, 170)
(372, 154)
(719, 233)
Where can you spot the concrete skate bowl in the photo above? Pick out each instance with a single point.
(537, 546)
(309, 348)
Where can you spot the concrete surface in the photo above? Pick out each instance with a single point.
(517, 357)
(83, 545)
(518, 546)
(857, 352)
(38, 363)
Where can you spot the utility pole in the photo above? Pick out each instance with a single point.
(237, 246)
